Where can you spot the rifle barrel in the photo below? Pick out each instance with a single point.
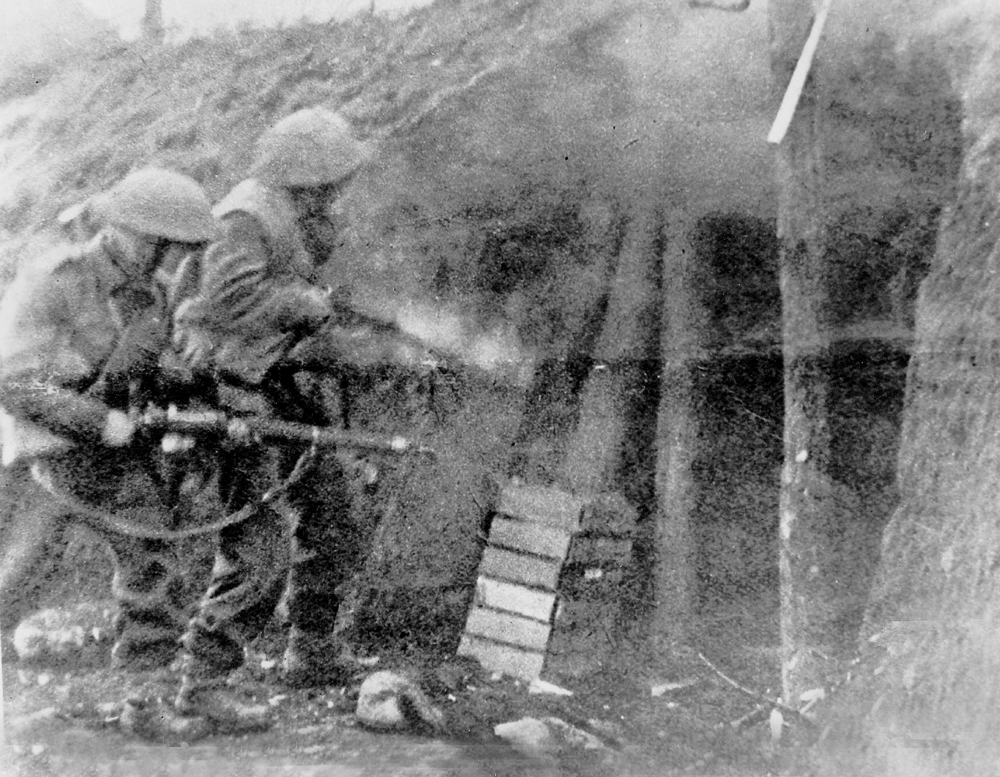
(324, 436)
(210, 422)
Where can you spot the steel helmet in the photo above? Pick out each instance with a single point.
(311, 147)
(158, 202)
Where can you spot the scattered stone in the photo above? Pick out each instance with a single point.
(546, 737)
(662, 688)
(776, 723)
(540, 686)
(108, 709)
(528, 736)
(390, 701)
(22, 724)
(77, 634)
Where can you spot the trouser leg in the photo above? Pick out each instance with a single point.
(326, 545)
(148, 582)
(149, 589)
(248, 577)
(251, 567)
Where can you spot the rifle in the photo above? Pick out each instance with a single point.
(256, 430)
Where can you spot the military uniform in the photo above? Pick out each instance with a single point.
(81, 335)
(252, 308)
(77, 338)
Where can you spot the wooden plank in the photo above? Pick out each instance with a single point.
(519, 599)
(529, 536)
(519, 568)
(508, 628)
(524, 664)
(546, 505)
(794, 90)
(684, 328)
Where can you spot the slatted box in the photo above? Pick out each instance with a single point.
(553, 561)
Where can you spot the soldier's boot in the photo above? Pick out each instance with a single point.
(204, 693)
(206, 703)
(135, 655)
(321, 658)
(228, 710)
(203, 707)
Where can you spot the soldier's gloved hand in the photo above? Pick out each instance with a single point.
(118, 430)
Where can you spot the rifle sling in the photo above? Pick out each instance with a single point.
(105, 520)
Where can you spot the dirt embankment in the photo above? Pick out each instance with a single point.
(517, 141)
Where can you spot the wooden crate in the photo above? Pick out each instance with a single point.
(553, 563)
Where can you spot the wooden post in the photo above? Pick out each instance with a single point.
(612, 427)
(628, 340)
(675, 585)
(806, 506)
(152, 22)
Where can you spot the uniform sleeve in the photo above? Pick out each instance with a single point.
(246, 315)
(41, 375)
(361, 344)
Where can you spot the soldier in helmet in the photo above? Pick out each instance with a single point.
(81, 330)
(258, 303)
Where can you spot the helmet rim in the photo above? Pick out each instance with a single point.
(311, 147)
(158, 202)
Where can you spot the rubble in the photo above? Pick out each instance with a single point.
(390, 701)
(77, 634)
(546, 737)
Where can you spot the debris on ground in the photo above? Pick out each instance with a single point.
(548, 736)
(541, 686)
(391, 701)
(659, 689)
(75, 634)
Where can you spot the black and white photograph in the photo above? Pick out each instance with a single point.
(500, 388)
